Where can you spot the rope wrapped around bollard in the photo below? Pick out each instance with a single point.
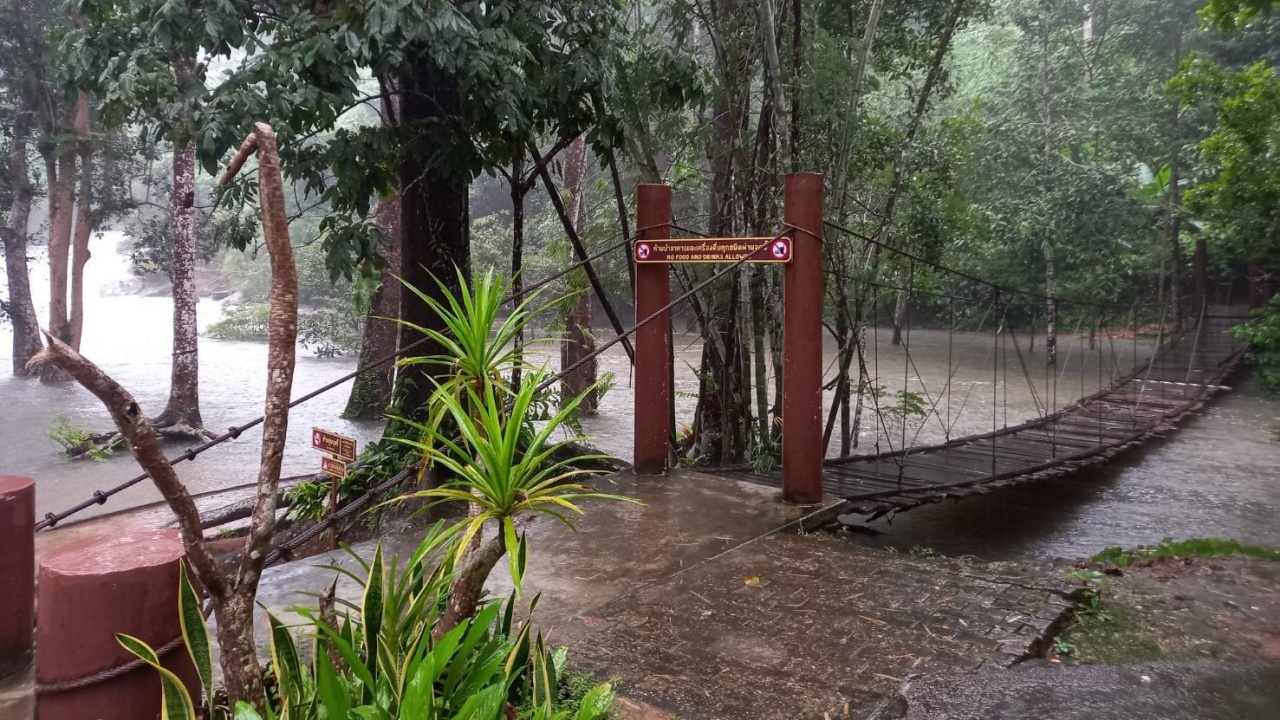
(102, 676)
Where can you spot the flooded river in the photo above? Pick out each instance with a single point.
(1216, 477)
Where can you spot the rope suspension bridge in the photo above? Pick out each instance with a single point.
(1162, 381)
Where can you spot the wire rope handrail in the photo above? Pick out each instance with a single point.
(100, 497)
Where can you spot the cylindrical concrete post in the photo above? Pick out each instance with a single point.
(802, 343)
(17, 571)
(89, 591)
(653, 341)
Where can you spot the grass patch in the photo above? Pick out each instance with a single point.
(1195, 547)
(1109, 633)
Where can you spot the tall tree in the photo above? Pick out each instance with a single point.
(578, 342)
(22, 61)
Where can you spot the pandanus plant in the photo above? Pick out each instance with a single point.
(480, 432)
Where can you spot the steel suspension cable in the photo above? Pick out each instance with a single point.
(100, 497)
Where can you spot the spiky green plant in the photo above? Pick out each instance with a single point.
(504, 473)
(381, 661)
(480, 346)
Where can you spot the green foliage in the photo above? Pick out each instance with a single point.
(69, 436)
(1263, 334)
(1170, 549)
(78, 441)
(243, 322)
(529, 70)
(381, 661)
(498, 468)
(1240, 192)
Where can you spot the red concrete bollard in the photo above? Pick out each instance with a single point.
(89, 591)
(17, 571)
(653, 390)
(802, 343)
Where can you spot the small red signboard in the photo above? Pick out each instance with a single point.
(340, 446)
(713, 250)
(332, 466)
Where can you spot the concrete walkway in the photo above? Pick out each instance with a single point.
(702, 604)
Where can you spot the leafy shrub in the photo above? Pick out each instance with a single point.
(380, 659)
(1263, 334)
(244, 322)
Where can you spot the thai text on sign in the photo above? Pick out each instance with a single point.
(333, 466)
(714, 250)
(340, 446)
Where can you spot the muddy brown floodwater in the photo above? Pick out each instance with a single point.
(1214, 477)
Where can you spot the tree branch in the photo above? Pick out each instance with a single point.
(145, 446)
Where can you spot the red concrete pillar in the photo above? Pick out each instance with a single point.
(802, 343)
(653, 341)
(17, 571)
(89, 591)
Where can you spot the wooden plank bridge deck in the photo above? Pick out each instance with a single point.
(1180, 377)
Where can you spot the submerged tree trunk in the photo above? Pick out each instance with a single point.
(183, 409)
(84, 221)
(434, 220)
(578, 342)
(60, 167)
(901, 306)
(20, 308)
(371, 391)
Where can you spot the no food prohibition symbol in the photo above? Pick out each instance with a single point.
(714, 250)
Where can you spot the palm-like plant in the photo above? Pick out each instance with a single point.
(479, 346)
(504, 472)
(480, 431)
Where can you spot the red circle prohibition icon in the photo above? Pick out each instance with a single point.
(781, 249)
(643, 251)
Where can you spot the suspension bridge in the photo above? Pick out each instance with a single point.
(1178, 377)
(1147, 402)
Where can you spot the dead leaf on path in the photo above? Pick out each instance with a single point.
(752, 580)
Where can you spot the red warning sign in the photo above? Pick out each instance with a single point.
(714, 250)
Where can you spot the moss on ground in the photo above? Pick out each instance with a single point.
(1194, 548)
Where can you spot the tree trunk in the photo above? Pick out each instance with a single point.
(434, 220)
(797, 65)
(578, 341)
(1200, 272)
(773, 74)
(841, 180)
(20, 308)
(1173, 193)
(519, 188)
(232, 597)
(238, 652)
(1051, 309)
(901, 306)
(371, 391)
(84, 220)
(60, 167)
(183, 408)
(468, 584)
(917, 118)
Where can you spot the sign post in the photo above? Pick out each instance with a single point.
(339, 450)
(653, 390)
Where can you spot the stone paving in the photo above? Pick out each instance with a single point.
(703, 604)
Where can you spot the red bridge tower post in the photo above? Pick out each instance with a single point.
(802, 342)
(653, 341)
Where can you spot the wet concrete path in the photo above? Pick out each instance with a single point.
(698, 609)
